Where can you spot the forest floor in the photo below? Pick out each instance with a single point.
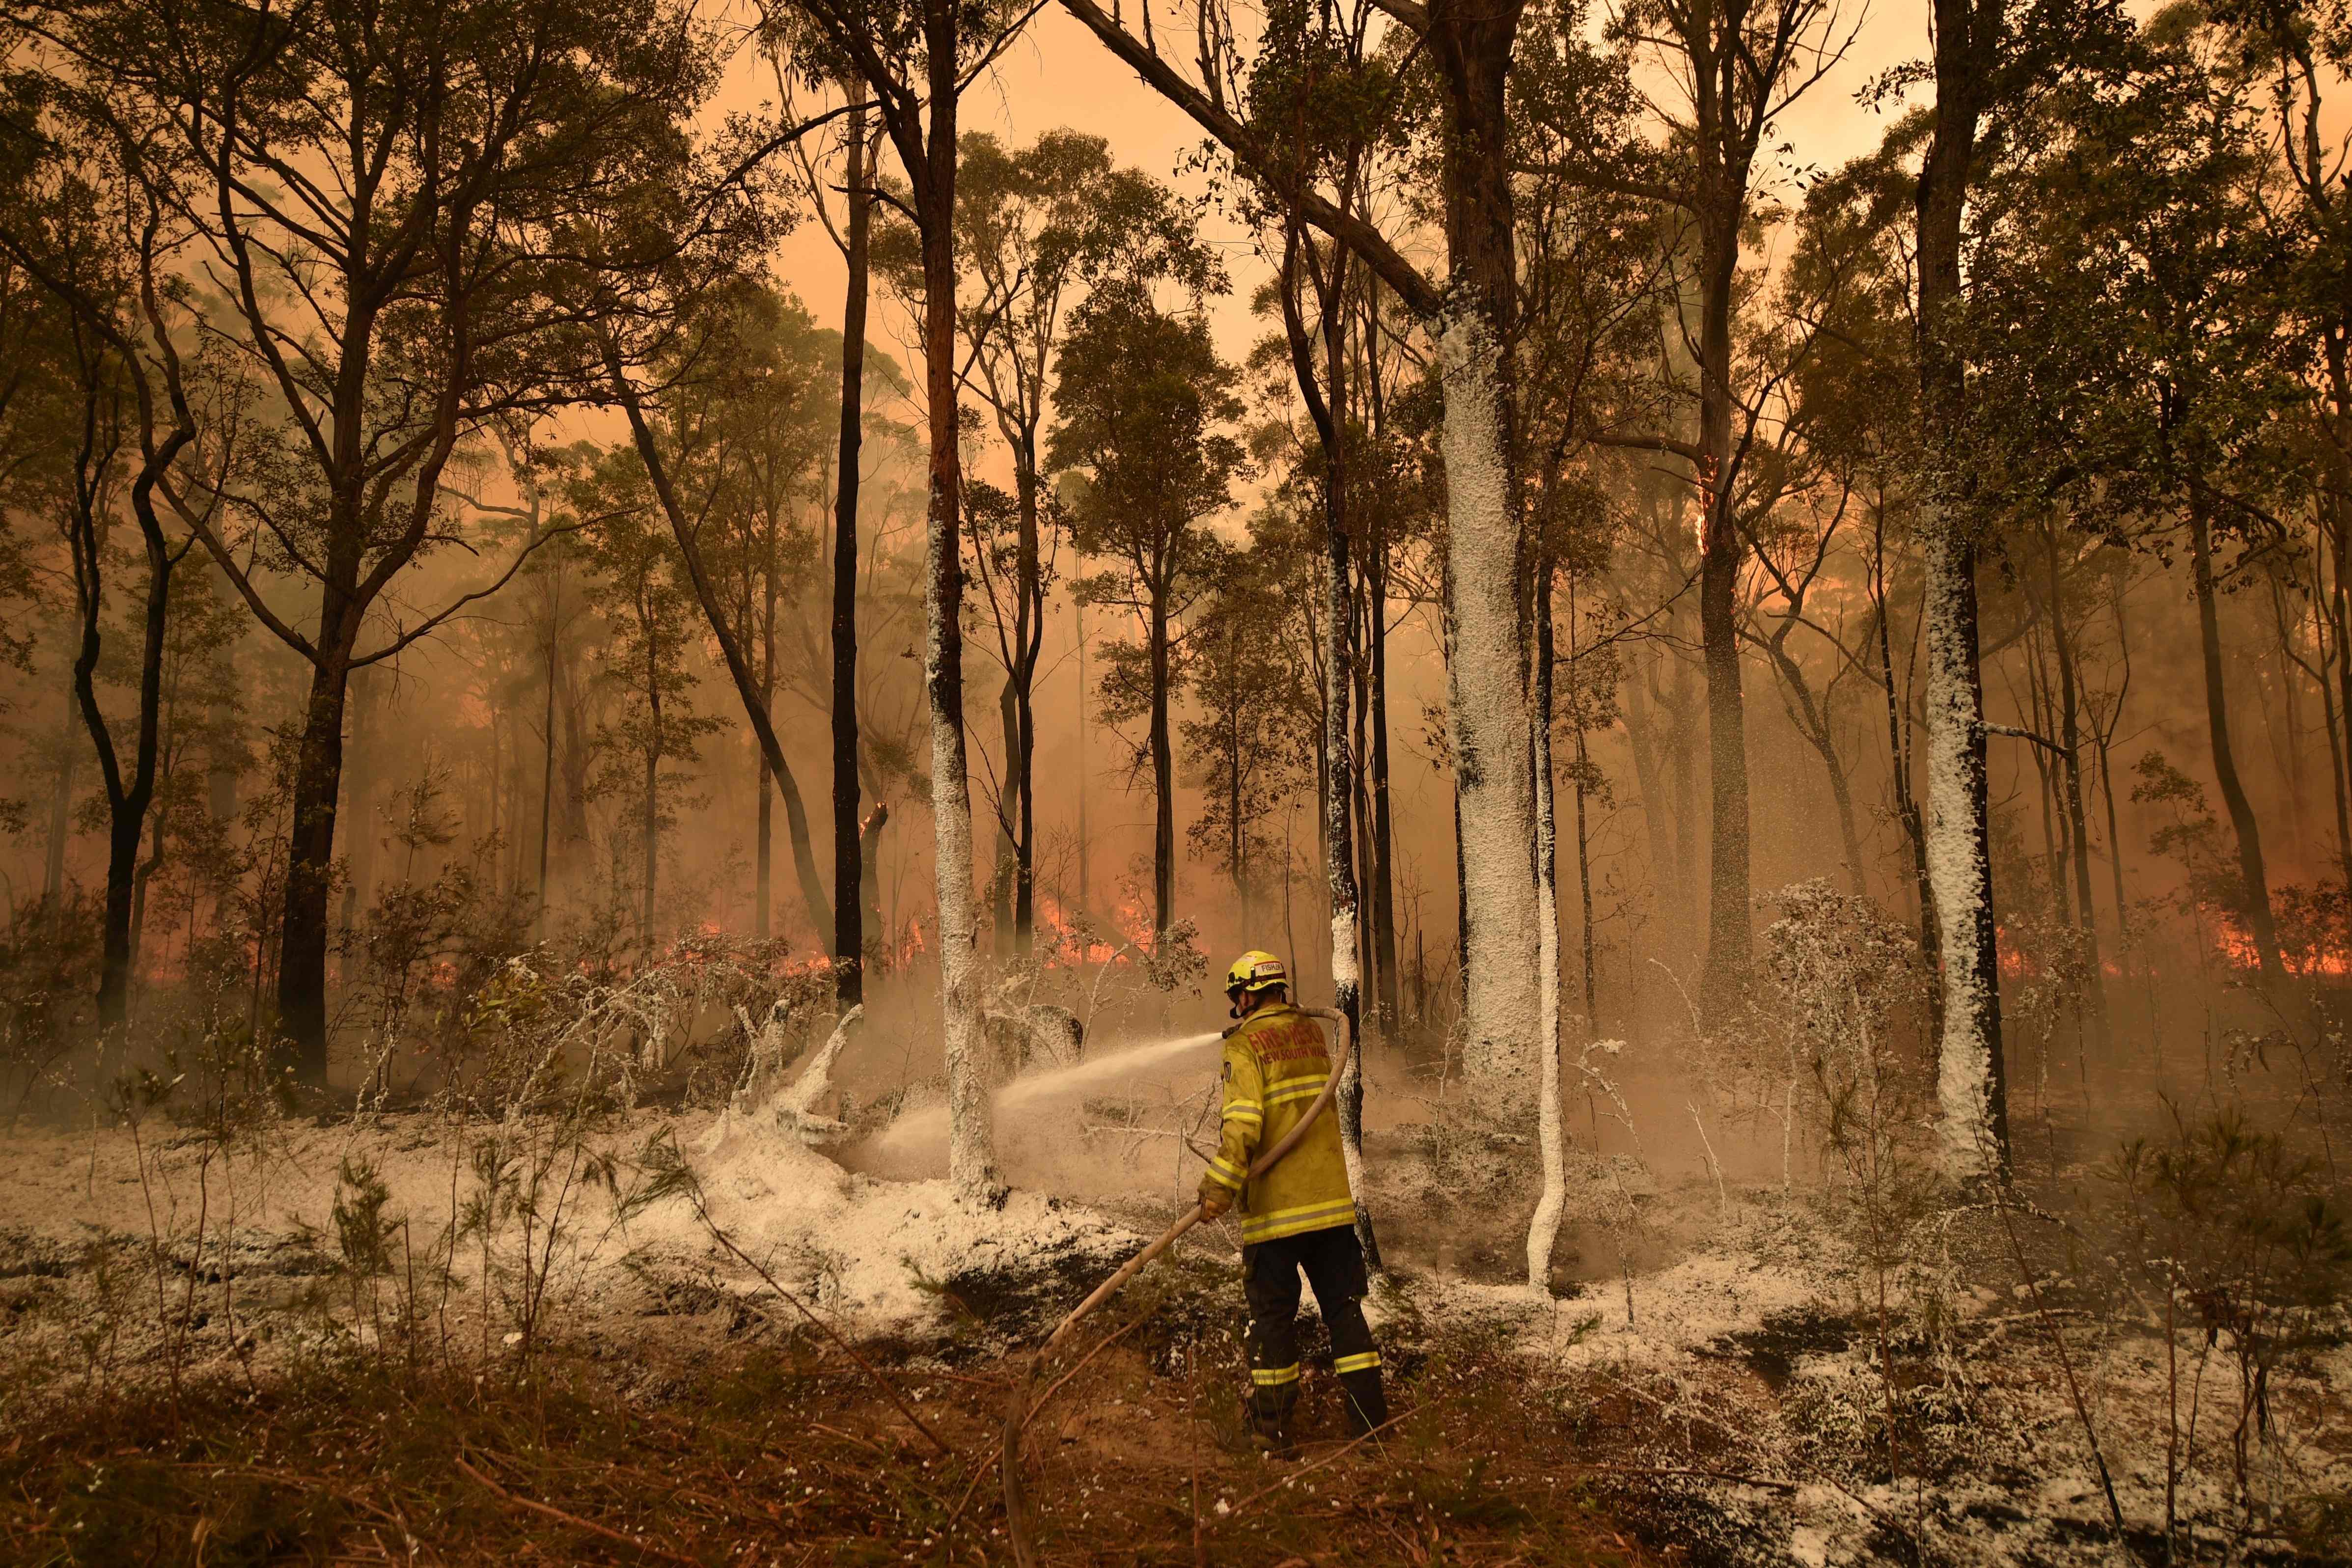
(288, 1353)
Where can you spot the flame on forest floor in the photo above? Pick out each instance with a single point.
(2233, 944)
(2228, 942)
(1065, 936)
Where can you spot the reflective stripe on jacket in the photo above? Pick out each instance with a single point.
(1275, 1064)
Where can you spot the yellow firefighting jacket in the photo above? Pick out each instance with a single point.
(1275, 1064)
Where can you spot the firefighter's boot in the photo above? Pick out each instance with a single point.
(1367, 1402)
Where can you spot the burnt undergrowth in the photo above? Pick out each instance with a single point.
(745, 1450)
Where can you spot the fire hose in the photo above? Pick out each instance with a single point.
(1019, 1523)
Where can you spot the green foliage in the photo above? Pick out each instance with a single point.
(1253, 744)
(1153, 462)
(1317, 98)
(1145, 401)
(2126, 325)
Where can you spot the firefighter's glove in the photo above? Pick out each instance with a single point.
(1214, 1199)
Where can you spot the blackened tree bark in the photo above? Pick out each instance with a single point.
(1380, 886)
(1898, 742)
(1384, 878)
(1162, 748)
(1032, 223)
(849, 933)
(1741, 64)
(1543, 1229)
(2069, 762)
(129, 794)
(918, 103)
(685, 523)
(764, 830)
(1728, 924)
(649, 792)
(2261, 924)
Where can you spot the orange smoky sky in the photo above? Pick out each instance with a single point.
(1056, 74)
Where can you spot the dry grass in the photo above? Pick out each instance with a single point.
(748, 1453)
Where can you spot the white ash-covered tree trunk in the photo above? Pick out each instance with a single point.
(972, 1144)
(1488, 713)
(1347, 982)
(1971, 1122)
(972, 1136)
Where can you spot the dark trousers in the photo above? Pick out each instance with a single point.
(1334, 1265)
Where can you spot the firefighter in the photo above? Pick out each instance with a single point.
(1300, 1215)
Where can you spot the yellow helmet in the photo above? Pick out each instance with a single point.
(1253, 971)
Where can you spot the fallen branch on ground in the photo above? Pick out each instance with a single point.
(1332, 1457)
(572, 1518)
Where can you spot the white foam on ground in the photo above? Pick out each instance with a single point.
(867, 1253)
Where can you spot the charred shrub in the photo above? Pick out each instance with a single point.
(2238, 1243)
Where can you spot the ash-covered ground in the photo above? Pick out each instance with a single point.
(1724, 1369)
